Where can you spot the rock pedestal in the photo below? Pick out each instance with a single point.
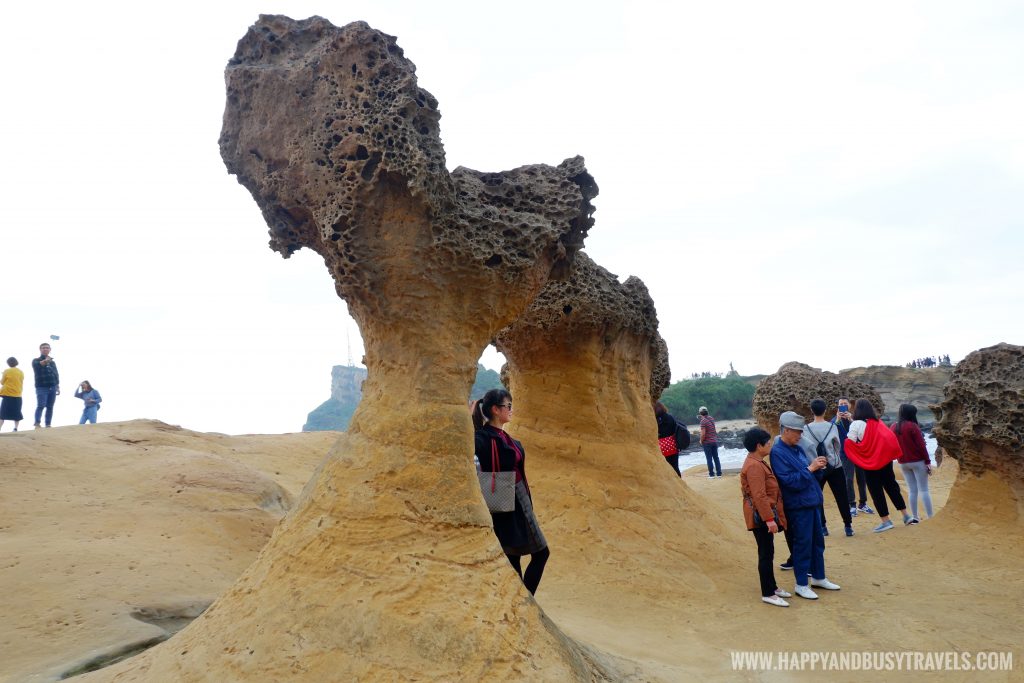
(981, 416)
(795, 385)
(388, 568)
(584, 363)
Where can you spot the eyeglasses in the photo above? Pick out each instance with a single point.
(505, 405)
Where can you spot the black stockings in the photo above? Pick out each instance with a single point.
(531, 579)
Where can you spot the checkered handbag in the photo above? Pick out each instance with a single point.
(498, 488)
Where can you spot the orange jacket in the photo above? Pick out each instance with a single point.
(759, 485)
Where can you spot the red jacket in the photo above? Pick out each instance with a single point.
(911, 441)
(878, 448)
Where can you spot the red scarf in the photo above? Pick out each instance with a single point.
(508, 441)
(878, 448)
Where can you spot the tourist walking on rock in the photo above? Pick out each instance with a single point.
(709, 440)
(842, 422)
(667, 436)
(518, 531)
(763, 511)
(11, 386)
(801, 496)
(914, 461)
(825, 433)
(873, 446)
(47, 384)
(92, 400)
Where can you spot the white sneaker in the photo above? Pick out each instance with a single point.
(775, 600)
(805, 592)
(783, 594)
(824, 583)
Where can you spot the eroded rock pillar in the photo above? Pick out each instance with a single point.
(981, 417)
(388, 568)
(584, 362)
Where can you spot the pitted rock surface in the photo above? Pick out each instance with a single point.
(661, 373)
(981, 417)
(795, 385)
(591, 301)
(586, 339)
(582, 363)
(339, 146)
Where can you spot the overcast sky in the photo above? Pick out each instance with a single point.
(836, 183)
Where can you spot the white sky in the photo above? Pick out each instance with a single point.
(774, 172)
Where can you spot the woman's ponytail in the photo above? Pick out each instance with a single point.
(482, 408)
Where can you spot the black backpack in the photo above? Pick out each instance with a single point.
(820, 448)
(682, 436)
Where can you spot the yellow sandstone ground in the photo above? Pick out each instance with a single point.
(114, 535)
(105, 530)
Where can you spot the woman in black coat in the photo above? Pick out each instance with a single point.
(518, 531)
(666, 429)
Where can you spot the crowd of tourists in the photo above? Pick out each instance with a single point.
(786, 492)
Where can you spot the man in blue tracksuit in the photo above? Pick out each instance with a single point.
(801, 498)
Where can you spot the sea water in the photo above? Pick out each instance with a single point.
(732, 458)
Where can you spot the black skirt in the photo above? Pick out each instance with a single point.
(518, 531)
(10, 408)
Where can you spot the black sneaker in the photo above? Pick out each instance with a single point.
(786, 566)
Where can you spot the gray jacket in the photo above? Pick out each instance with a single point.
(825, 432)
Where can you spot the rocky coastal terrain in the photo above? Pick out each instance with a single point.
(374, 558)
(117, 536)
(895, 384)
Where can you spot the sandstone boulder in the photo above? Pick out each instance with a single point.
(981, 417)
(584, 363)
(387, 568)
(589, 339)
(795, 385)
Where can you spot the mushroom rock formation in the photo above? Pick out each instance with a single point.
(587, 338)
(387, 568)
(583, 365)
(795, 385)
(981, 417)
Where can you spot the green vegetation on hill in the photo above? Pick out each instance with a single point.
(726, 398)
(330, 415)
(485, 381)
